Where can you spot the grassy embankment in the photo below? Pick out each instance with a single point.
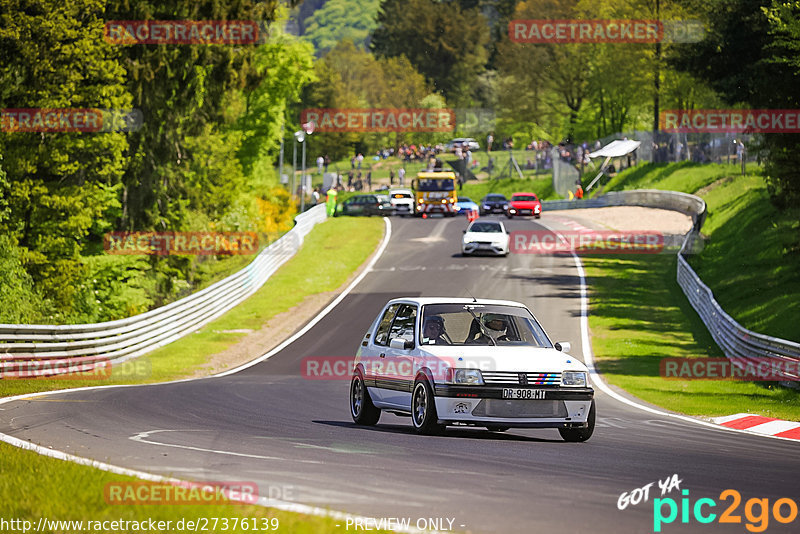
(33, 486)
(639, 314)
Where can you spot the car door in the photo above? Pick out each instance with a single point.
(398, 370)
(375, 354)
(358, 206)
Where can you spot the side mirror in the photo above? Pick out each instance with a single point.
(463, 231)
(400, 343)
(563, 346)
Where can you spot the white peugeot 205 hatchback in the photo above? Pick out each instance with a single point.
(455, 361)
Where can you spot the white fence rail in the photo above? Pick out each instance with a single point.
(740, 345)
(46, 350)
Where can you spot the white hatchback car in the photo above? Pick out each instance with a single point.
(485, 236)
(403, 201)
(455, 361)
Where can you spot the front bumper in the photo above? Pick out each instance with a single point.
(485, 406)
(493, 209)
(487, 248)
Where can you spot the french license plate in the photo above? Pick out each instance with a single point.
(520, 393)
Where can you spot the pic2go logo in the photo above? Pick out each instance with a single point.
(756, 511)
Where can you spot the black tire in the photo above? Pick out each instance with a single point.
(579, 434)
(509, 215)
(538, 215)
(423, 409)
(497, 428)
(361, 408)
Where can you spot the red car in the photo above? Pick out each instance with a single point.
(524, 204)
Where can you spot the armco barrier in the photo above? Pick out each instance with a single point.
(58, 349)
(739, 344)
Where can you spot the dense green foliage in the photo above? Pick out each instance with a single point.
(341, 20)
(751, 56)
(201, 161)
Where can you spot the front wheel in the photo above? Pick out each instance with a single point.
(423, 409)
(361, 407)
(579, 434)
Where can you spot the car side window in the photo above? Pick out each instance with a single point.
(382, 333)
(404, 321)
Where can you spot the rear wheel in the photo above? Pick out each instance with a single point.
(361, 407)
(423, 409)
(579, 434)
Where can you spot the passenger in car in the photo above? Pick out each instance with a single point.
(434, 333)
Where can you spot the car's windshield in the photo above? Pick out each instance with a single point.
(464, 199)
(485, 227)
(486, 325)
(436, 184)
(495, 198)
(523, 198)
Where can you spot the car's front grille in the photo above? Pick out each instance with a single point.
(520, 408)
(515, 378)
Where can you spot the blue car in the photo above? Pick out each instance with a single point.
(464, 204)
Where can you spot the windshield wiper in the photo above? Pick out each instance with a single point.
(483, 330)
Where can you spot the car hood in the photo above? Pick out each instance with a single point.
(525, 204)
(493, 237)
(490, 358)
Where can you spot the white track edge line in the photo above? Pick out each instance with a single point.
(588, 358)
(324, 312)
(270, 503)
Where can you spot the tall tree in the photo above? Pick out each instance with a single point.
(750, 55)
(447, 44)
(63, 186)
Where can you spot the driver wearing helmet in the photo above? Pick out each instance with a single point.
(496, 326)
(433, 333)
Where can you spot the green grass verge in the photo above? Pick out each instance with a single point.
(751, 260)
(329, 255)
(639, 313)
(34, 486)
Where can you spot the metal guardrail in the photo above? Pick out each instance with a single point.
(742, 346)
(46, 350)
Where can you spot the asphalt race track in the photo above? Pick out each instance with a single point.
(295, 437)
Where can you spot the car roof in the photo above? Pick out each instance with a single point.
(485, 221)
(455, 300)
(400, 191)
(522, 193)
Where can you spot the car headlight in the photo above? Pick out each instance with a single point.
(505, 206)
(573, 378)
(471, 377)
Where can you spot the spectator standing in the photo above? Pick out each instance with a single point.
(359, 160)
(320, 163)
(391, 176)
(401, 176)
(327, 162)
(331, 202)
(369, 181)
(489, 141)
(315, 196)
